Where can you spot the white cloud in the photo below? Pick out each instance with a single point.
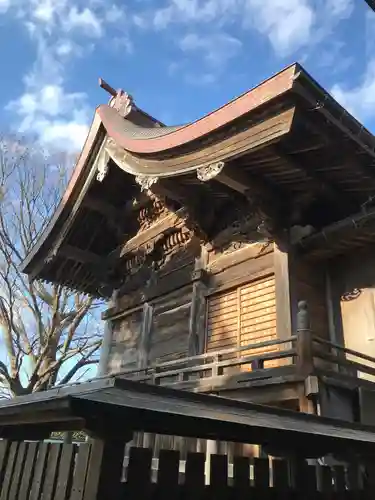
(61, 31)
(216, 48)
(359, 100)
(85, 20)
(288, 25)
(4, 6)
(58, 118)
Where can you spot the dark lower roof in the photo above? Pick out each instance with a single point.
(340, 238)
(118, 406)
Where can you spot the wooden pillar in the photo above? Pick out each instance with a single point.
(305, 356)
(283, 292)
(198, 306)
(105, 469)
(144, 345)
(107, 341)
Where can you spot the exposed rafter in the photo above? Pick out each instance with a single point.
(318, 180)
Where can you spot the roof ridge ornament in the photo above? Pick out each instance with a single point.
(120, 100)
(209, 172)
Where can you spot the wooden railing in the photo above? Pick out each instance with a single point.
(343, 360)
(215, 364)
(304, 351)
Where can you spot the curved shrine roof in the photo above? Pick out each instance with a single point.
(270, 136)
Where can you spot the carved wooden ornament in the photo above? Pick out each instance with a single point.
(209, 172)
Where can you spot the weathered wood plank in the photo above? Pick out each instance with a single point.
(52, 469)
(104, 471)
(17, 475)
(9, 471)
(40, 469)
(28, 471)
(80, 472)
(65, 472)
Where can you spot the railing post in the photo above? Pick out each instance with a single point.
(304, 343)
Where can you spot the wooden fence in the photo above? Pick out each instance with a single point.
(45, 471)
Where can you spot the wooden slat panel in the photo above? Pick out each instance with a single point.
(258, 317)
(222, 321)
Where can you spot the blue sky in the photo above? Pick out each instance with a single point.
(178, 58)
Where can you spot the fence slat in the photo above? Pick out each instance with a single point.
(4, 452)
(80, 473)
(139, 473)
(280, 474)
(325, 478)
(65, 473)
(241, 473)
(338, 473)
(168, 474)
(52, 471)
(40, 467)
(352, 478)
(18, 471)
(28, 471)
(261, 473)
(12, 457)
(194, 475)
(105, 469)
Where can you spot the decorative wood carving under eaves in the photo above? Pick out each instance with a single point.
(122, 158)
(144, 264)
(209, 172)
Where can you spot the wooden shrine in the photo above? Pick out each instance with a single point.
(210, 239)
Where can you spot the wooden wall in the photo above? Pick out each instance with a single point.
(169, 335)
(309, 284)
(126, 338)
(203, 307)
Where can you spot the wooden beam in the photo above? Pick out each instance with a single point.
(244, 182)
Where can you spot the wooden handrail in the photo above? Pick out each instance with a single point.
(209, 355)
(229, 363)
(343, 349)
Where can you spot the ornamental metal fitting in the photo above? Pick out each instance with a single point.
(209, 172)
(102, 165)
(146, 181)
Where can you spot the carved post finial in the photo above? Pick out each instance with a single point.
(303, 316)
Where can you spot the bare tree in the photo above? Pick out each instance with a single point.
(48, 335)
